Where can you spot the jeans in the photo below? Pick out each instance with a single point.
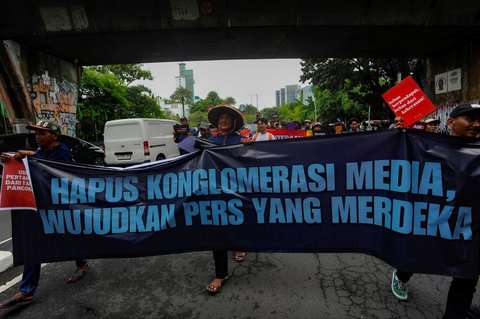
(221, 263)
(31, 277)
(460, 295)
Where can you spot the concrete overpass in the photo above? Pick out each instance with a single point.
(44, 43)
(88, 32)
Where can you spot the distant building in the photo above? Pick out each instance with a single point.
(277, 98)
(291, 92)
(287, 94)
(307, 94)
(187, 75)
(282, 96)
(175, 108)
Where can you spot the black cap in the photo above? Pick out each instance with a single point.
(45, 125)
(462, 109)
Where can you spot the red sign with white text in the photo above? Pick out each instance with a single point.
(16, 192)
(407, 100)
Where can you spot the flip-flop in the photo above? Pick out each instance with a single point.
(13, 301)
(215, 289)
(78, 274)
(239, 258)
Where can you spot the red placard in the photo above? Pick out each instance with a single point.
(408, 101)
(16, 192)
(281, 134)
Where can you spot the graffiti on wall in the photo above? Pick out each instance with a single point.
(53, 100)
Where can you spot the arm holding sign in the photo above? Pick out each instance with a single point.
(46, 135)
(18, 155)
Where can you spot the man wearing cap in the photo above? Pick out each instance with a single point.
(46, 135)
(317, 129)
(203, 130)
(228, 121)
(307, 124)
(464, 121)
(432, 125)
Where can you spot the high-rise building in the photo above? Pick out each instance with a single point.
(282, 96)
(277, 98)
(291, 92)
(188, 76)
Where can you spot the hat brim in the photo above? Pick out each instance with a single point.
(39, 128)
(216, 111)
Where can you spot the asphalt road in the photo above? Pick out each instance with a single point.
(5, 225)
(266, 285)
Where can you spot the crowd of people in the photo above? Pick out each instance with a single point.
(224, 128)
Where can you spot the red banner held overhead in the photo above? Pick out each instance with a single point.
(16, 192)
(407, 100)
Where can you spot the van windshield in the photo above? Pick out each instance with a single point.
(123, 132)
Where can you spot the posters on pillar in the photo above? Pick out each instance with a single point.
(407, 100)
(16, 191)
(407, 197)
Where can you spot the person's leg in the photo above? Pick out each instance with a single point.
(404, 276)
(30, 279)
(221, 263)
(80, 271)
(220, 258)
(398, 284)
(239, 256)
(459, 298)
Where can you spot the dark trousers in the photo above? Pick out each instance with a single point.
(459, 298)
(221, 263)
(31, 277)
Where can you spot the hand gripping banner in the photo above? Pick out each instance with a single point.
(408, 198)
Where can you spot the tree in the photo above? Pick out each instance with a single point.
(127, 73)
(357, 82)
(183, 96)
(229, 100)
(106, 96)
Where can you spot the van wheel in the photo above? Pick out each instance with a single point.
(160, 157)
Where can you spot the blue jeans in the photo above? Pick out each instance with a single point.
(31, 277)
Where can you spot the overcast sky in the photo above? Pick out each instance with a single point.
(242, 79)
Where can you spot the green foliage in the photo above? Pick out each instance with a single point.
(347, 87)
(182, 95)
(199, 110)
(105, 95)
(127, 73)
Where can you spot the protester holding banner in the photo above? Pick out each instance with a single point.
(432, 125)
(46, 135)
(464, 121)
(262, 134)
(317, 129)
(353, 125)
(228, 121)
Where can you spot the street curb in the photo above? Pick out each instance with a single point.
(6, 260)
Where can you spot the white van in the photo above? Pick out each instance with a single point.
(134, 141)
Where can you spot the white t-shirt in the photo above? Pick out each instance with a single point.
(259, 137)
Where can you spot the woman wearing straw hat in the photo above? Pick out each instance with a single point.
(228, 121)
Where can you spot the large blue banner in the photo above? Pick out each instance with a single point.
(408, 198)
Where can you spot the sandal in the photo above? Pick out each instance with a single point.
(211, 288)
(17, 299)
(239, 256)
(78, 274)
